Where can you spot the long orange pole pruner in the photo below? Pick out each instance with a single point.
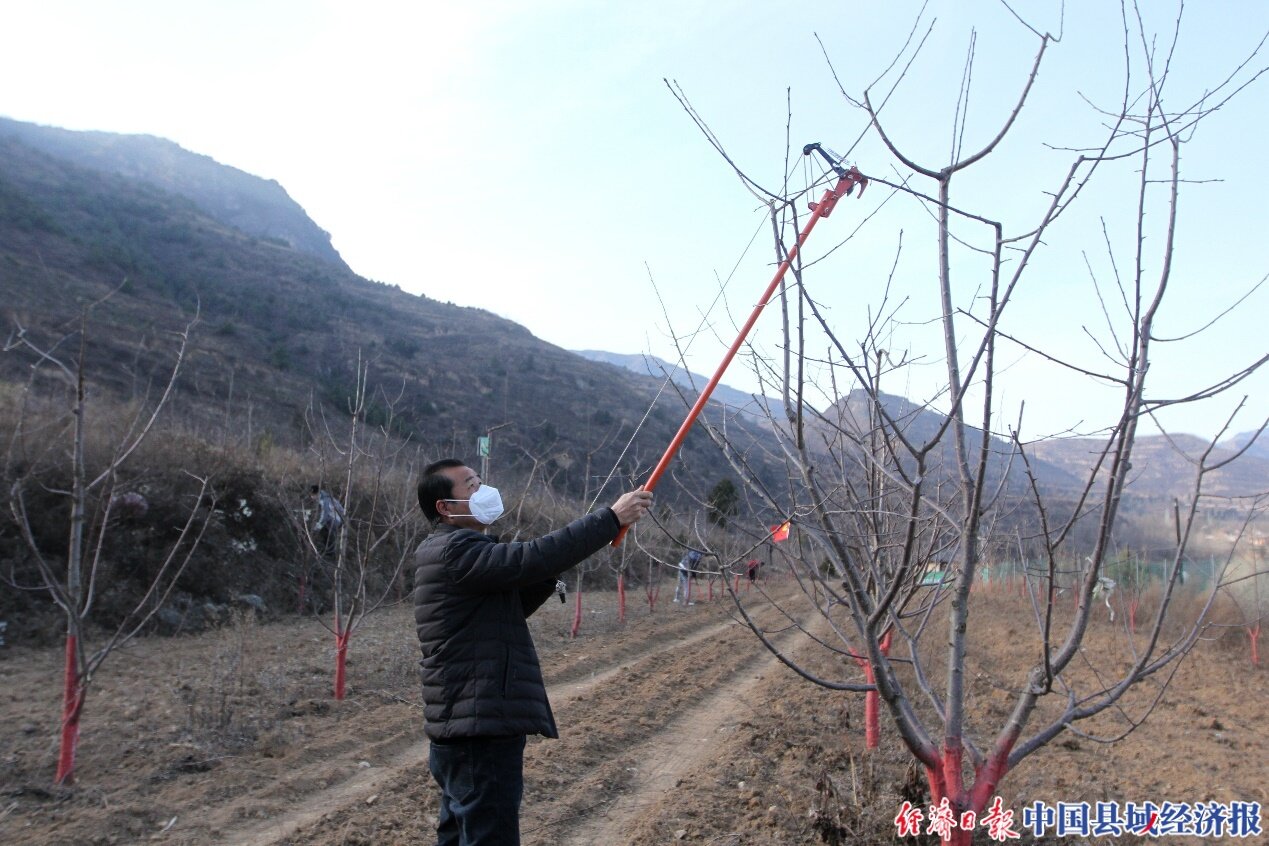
(847, 179)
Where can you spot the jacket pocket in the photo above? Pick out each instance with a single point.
(508, 674)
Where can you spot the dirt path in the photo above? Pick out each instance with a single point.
(231, 736)
(364, 784)
(632, 722)
(668, 756)
(675, 727)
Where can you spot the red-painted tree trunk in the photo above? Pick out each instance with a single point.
(1253, 634)
(577, 613)
(711, 590)
(652, 593)
(946, 783)
(621, 597)
(872, 720)
(1132, 614)
(341, 660)
(872, 701)
(735, 583)
(72, 706)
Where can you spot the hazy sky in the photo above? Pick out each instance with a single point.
(528, 158)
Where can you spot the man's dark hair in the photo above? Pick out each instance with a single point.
(313, 489)
(434, 485)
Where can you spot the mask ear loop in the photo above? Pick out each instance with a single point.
(438, 511)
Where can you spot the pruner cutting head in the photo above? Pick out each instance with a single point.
(834, 161)
(851, 174)
(849, 178)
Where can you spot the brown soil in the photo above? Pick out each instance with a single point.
(677, 727)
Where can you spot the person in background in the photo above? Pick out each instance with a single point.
(330, 518)
(686, 563)
(482, 684)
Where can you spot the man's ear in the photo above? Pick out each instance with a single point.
(442, 508)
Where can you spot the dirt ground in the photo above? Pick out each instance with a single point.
(677, 726)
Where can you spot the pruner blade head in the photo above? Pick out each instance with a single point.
(833, 160)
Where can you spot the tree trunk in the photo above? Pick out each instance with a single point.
(872, 723)
(965, 804)
(577, 612)
(872, 701)
(621, 597)
(72, 706)
(341, 660)
(1253, 635)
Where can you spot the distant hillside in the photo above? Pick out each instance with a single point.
(1162, 469)
(650, 365)
(1259, 449)
(256, 206)
(920, 426)
(282, 330)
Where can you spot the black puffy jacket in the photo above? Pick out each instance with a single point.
(480, 671)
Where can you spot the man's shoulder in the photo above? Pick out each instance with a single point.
(445, 537)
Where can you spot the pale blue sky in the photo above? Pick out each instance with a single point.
(527, 157)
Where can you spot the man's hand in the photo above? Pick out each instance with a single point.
(632, 506)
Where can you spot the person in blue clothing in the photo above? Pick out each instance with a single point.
(482, 683)
(686, 564)
(330, 519)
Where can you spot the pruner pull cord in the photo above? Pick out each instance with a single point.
(847, 179)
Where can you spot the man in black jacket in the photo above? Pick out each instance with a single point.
(482, 685)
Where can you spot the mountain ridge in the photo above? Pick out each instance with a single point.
(645, 364)
(283, 331)
(257, 206)
(285, 327)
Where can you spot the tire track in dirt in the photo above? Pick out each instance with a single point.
(407, 756)
(668, 756)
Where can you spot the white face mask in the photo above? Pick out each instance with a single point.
(485, 504)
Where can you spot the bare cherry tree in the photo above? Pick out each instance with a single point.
(97, 497)
(896, 509)
(363, 559)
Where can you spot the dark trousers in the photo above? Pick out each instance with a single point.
(482, 782)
